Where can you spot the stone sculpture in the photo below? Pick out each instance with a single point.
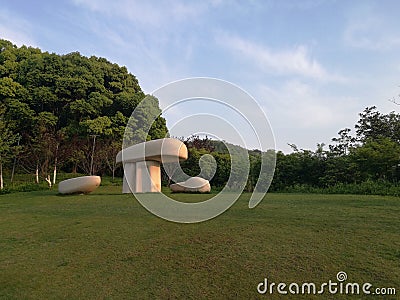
(84, 185)
(142, 173)
(193, 184)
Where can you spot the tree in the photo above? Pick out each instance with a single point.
(374, 125)
(377, 159)
(7, 138)
(145, 123)
(58, 100)
(343, 143)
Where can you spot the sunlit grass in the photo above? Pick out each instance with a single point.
(105, 245)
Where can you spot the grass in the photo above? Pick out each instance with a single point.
(106, 246)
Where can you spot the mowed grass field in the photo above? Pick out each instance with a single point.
(107, 246)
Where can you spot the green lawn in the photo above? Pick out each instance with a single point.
(107, 246)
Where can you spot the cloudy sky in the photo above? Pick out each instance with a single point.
(311, 65)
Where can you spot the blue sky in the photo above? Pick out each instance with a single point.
(311, 65)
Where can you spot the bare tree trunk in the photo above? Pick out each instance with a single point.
(54, 174)
(55, 167)
(91, 160)
(15, 161)
(48, 180)
(112, 166)
(37, 174)
(13, 170)
(1, 175)
(74, 168)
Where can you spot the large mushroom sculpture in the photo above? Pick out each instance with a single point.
(141, 162)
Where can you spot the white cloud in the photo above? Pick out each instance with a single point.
(299, 104)
(295, 61)
(161, 13)
(15, 29)
(368, 29)
(301, 114)
(370, 35)
(152, 36)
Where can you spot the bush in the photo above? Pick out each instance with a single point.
(368, 187)
(30, 187)
(4, 191)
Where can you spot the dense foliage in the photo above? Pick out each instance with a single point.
(366, 162)
(372, 154)
(55, 108)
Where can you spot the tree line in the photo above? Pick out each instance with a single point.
(371, 153)
(365, 159)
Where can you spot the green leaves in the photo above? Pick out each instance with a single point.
(98, 126)
(375, 125)
(8, 87)
(7, 138)
(377, 158)
(46, 121)
(58, 101)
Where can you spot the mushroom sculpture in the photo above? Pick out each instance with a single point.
(142, 173)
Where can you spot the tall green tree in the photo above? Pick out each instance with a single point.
(343, 143)
(377, 158)
(7, 139)
(58, 101)
(375, 125)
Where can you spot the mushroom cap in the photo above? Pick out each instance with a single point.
(161, 150)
